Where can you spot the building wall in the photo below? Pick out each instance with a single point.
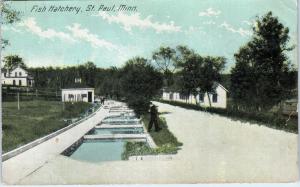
(78, 95)
(10, 80)
(17, 74)
(221, 98)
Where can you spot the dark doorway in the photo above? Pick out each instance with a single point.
(89, 96)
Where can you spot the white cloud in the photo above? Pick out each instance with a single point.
(241, 31)
(134, 20)
(77, 33)
(209, 23)
(85, 35)
(210, 12)
(31, 25)
(194, 29)
(10, 28)
(250, 23)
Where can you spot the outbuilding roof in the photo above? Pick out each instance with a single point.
(77, 86)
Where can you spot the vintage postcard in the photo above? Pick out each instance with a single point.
(149, 92)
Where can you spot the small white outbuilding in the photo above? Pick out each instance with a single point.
(78, 95)
(218, 99)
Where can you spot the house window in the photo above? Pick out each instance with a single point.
(83, 95)
(215, 98)
(71, 96)
(16, 74)
(20, 83)
(171, 96)
(182, 97)
(14, 82)
(201, 97)
(20, 74)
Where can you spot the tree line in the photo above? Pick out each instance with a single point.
(262, 75)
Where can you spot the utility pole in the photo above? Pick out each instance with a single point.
(18, 100)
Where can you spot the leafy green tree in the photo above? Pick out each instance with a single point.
(12, 61)
(261, 65)
(210, 73)
(198, 73)
(9, 16)
(191, 74)
(140, 82)
(164, 60)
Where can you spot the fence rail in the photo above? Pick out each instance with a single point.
(28, 96)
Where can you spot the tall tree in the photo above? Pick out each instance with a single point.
(262, 63)
(210, 74)
(12, 61)
(164, 60)
(198, 74)
(190, 74)
(140, 82)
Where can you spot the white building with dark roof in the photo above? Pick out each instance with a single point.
(218, 98)
(78, 93)
(16, 77)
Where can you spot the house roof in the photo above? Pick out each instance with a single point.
(216, 84)
(221, 86)
(15, 67)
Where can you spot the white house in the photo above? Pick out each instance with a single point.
(218, 98)
(16, 77)
(77, 94)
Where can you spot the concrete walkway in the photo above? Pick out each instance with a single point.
(22, 165)
(215, 149)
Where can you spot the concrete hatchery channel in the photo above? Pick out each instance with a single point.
(107, 140)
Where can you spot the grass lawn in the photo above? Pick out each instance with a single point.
(167, 143)
(34, 120)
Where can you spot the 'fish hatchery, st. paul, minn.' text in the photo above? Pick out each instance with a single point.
(78, 9)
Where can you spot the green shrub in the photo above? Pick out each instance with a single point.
(267, 119)
(141, 148)
(164, 136)
(167, 143)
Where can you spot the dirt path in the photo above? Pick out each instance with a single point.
(215, 149)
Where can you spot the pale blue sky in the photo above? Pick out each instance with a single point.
(211, 27)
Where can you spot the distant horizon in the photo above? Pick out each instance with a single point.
(110, 38)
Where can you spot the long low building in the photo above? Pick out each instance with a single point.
(78, 95)
(218, 98)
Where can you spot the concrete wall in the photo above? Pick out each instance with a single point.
(21, 165)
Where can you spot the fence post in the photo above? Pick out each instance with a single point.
(18, 100)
